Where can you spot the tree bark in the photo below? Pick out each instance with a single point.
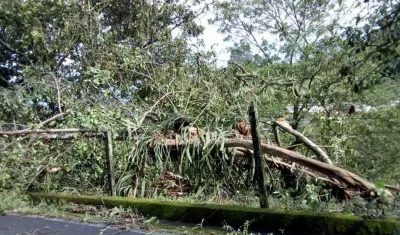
(260, 176)
(307, 142)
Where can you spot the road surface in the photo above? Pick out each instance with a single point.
(37, 225)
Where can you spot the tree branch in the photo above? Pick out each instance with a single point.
(48, 131)
(264, 83)
(307, 142)
(242, 152)
(51, 119)
(276, 134)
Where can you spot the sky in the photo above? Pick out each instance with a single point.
(213, 39)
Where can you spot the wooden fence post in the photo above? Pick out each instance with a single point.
(259, 171)
(110, 163)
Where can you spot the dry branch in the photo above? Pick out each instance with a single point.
(307, 142)
(242, 152)
(393, 188)
(331, 171)
(55, 169)
(57, 134)
(70, 136)
(48, 131)
(51, 119)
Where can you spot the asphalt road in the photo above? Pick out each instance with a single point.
(30, 225)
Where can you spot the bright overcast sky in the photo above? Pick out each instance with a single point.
(214, 40)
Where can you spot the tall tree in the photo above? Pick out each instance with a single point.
(331, 63)
(299, 34)
(108, 63)
(73, 46)
(375, 39)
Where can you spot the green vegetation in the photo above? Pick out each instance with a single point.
(330, 68)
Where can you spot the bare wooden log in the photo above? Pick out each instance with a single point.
(307, 142)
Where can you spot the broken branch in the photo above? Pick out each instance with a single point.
(51, 119)
(307, 142)
(331, 171)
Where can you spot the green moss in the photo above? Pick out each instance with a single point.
(262, 219)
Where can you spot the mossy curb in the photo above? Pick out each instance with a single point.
(261, 219)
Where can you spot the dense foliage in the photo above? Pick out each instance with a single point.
(123, 65)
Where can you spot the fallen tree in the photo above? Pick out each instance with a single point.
(349, 182)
